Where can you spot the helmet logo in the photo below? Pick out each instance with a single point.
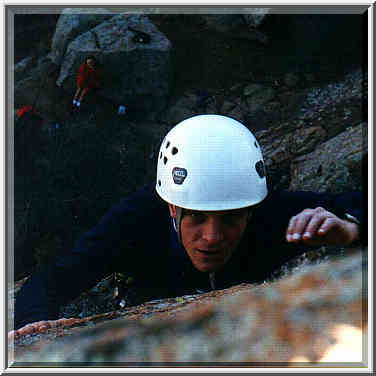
(179, 174)
(260, 168)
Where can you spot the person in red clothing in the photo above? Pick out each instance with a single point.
(23, 110)
(88, 77)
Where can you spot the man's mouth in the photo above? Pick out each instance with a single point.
(212, 252)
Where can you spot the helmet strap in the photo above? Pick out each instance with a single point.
(249, 216)
(177, 221)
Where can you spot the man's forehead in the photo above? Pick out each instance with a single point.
(217, 212)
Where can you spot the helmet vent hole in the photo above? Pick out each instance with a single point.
(165, 160)
(174, 150)
(160, 156)
(256, 145)
(159, 183)
(168, 144)
(260, 168)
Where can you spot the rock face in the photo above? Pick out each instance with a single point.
(255, 17)
(335, 165)
(323, 114)
(233, 24)
(301, 318)
(38, 88)
(30, 30)
(132, 71)
(220, 21)
(73, 22)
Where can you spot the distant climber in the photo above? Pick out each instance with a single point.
(27, 136)
(27, 118)
(89, 77)
(23, 110)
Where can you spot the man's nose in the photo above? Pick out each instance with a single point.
(212, 232)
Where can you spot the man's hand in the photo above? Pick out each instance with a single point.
(319, 227)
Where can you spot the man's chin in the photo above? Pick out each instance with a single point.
(208, 262)
(209, 268)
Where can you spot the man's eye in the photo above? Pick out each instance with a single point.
(231, 218)
(197, 217)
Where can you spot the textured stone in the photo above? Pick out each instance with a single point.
(256, 16)
(299, 318)
(306, 139)
(222, 22)
(71, 23)
(22, 67)
(189, 104)
(233, 24)
(334, 166)
(258, 97)
(291, 79)
(323, 114)
(37, 88)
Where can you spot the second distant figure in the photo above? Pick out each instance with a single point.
(89, 76)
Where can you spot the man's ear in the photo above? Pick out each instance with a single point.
(172, 210)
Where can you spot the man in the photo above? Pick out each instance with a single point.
(89, 77)
(211, 225)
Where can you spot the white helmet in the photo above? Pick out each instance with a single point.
(210, 163)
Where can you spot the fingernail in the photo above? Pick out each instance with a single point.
(307, 234)
(296, 236)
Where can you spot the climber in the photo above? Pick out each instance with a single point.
(24, 110)
(27, 133)
(89, 77)
(207, 223)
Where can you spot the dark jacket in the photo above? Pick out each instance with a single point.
(137, 237)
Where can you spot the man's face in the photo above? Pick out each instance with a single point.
(90, 63)
(210, 238)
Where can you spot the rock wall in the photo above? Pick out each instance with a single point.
(335, 165)
(131, 70)
(315, 317)
(71, 23)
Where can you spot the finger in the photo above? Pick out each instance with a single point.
(42, 325)
(27, 329)
(291, 225)
(68, 322)
(290, 228)
(315, 226)
(299, 225)
(326, 226)
(332, 231)
(32, 328)
(326, 233)
(53, 323)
